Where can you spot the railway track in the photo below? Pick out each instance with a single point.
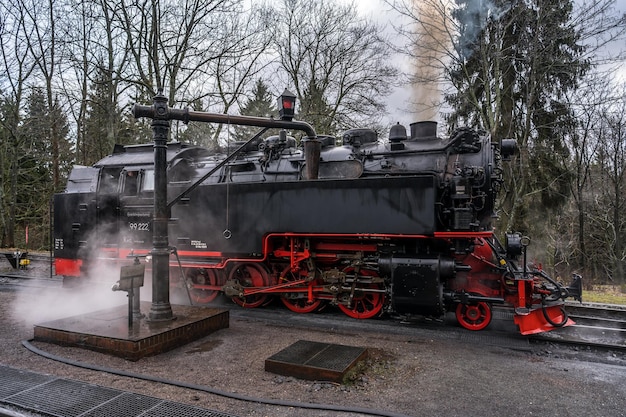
(32, 256)
(18, 279)
(598, 326)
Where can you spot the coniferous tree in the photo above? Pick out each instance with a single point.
(36, 165)
(316, 111)
(197, 133)
(132, 130)
(102, 121)
(517, 62)
(260, 104)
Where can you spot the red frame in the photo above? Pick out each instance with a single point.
(482, 279)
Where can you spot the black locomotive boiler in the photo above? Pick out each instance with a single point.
(402, 226)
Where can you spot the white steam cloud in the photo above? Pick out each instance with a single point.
(435, 28)
(36, 305)
(431, 45)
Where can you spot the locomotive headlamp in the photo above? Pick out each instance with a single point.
(508, 148)
(513, 244)
(286, 105)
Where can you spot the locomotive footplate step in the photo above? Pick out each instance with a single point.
(107, 331)
(315, 361)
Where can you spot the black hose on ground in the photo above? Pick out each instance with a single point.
(210, 390)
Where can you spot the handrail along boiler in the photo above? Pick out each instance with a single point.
(403, 226)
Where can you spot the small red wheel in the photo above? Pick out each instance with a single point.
(474, 316)
(250, 275)
(199, 277)
(365, 304)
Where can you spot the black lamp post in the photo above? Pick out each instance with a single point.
(286, 105)
(160, 309)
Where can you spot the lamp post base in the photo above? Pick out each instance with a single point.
(160, 312)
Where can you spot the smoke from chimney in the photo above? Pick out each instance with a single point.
(433, 38)
(435, 27)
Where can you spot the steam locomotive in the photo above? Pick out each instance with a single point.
(401, 227)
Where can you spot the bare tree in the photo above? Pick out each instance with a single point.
(584, 142)
(336, 58)
(566, 232)
(205, 51)
(95, 55)
(42, 45)
(608, 224)
(244, 55)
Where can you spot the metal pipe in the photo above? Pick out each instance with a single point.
(312, 148)
(187, 116)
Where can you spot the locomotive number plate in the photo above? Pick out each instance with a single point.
(139, 226)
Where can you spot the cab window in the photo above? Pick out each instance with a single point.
(109, 179)
(147, 181)
(131, 183)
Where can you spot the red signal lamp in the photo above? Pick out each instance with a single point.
(286, 105)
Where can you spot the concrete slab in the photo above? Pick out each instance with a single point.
(108, 331)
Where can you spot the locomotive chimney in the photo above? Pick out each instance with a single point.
(424, 130)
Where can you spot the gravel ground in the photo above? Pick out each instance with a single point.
(417, 370)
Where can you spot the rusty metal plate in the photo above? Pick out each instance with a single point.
(315, 361)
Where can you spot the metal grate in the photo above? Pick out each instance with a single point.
(335, 357)
(299, 352)
(170, 409)
(65, 398)
(127, 405)
(13, 381)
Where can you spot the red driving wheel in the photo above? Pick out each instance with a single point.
(250, 275)
(365, 304)
(298, 301)
(198, 278)
(301, 304)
